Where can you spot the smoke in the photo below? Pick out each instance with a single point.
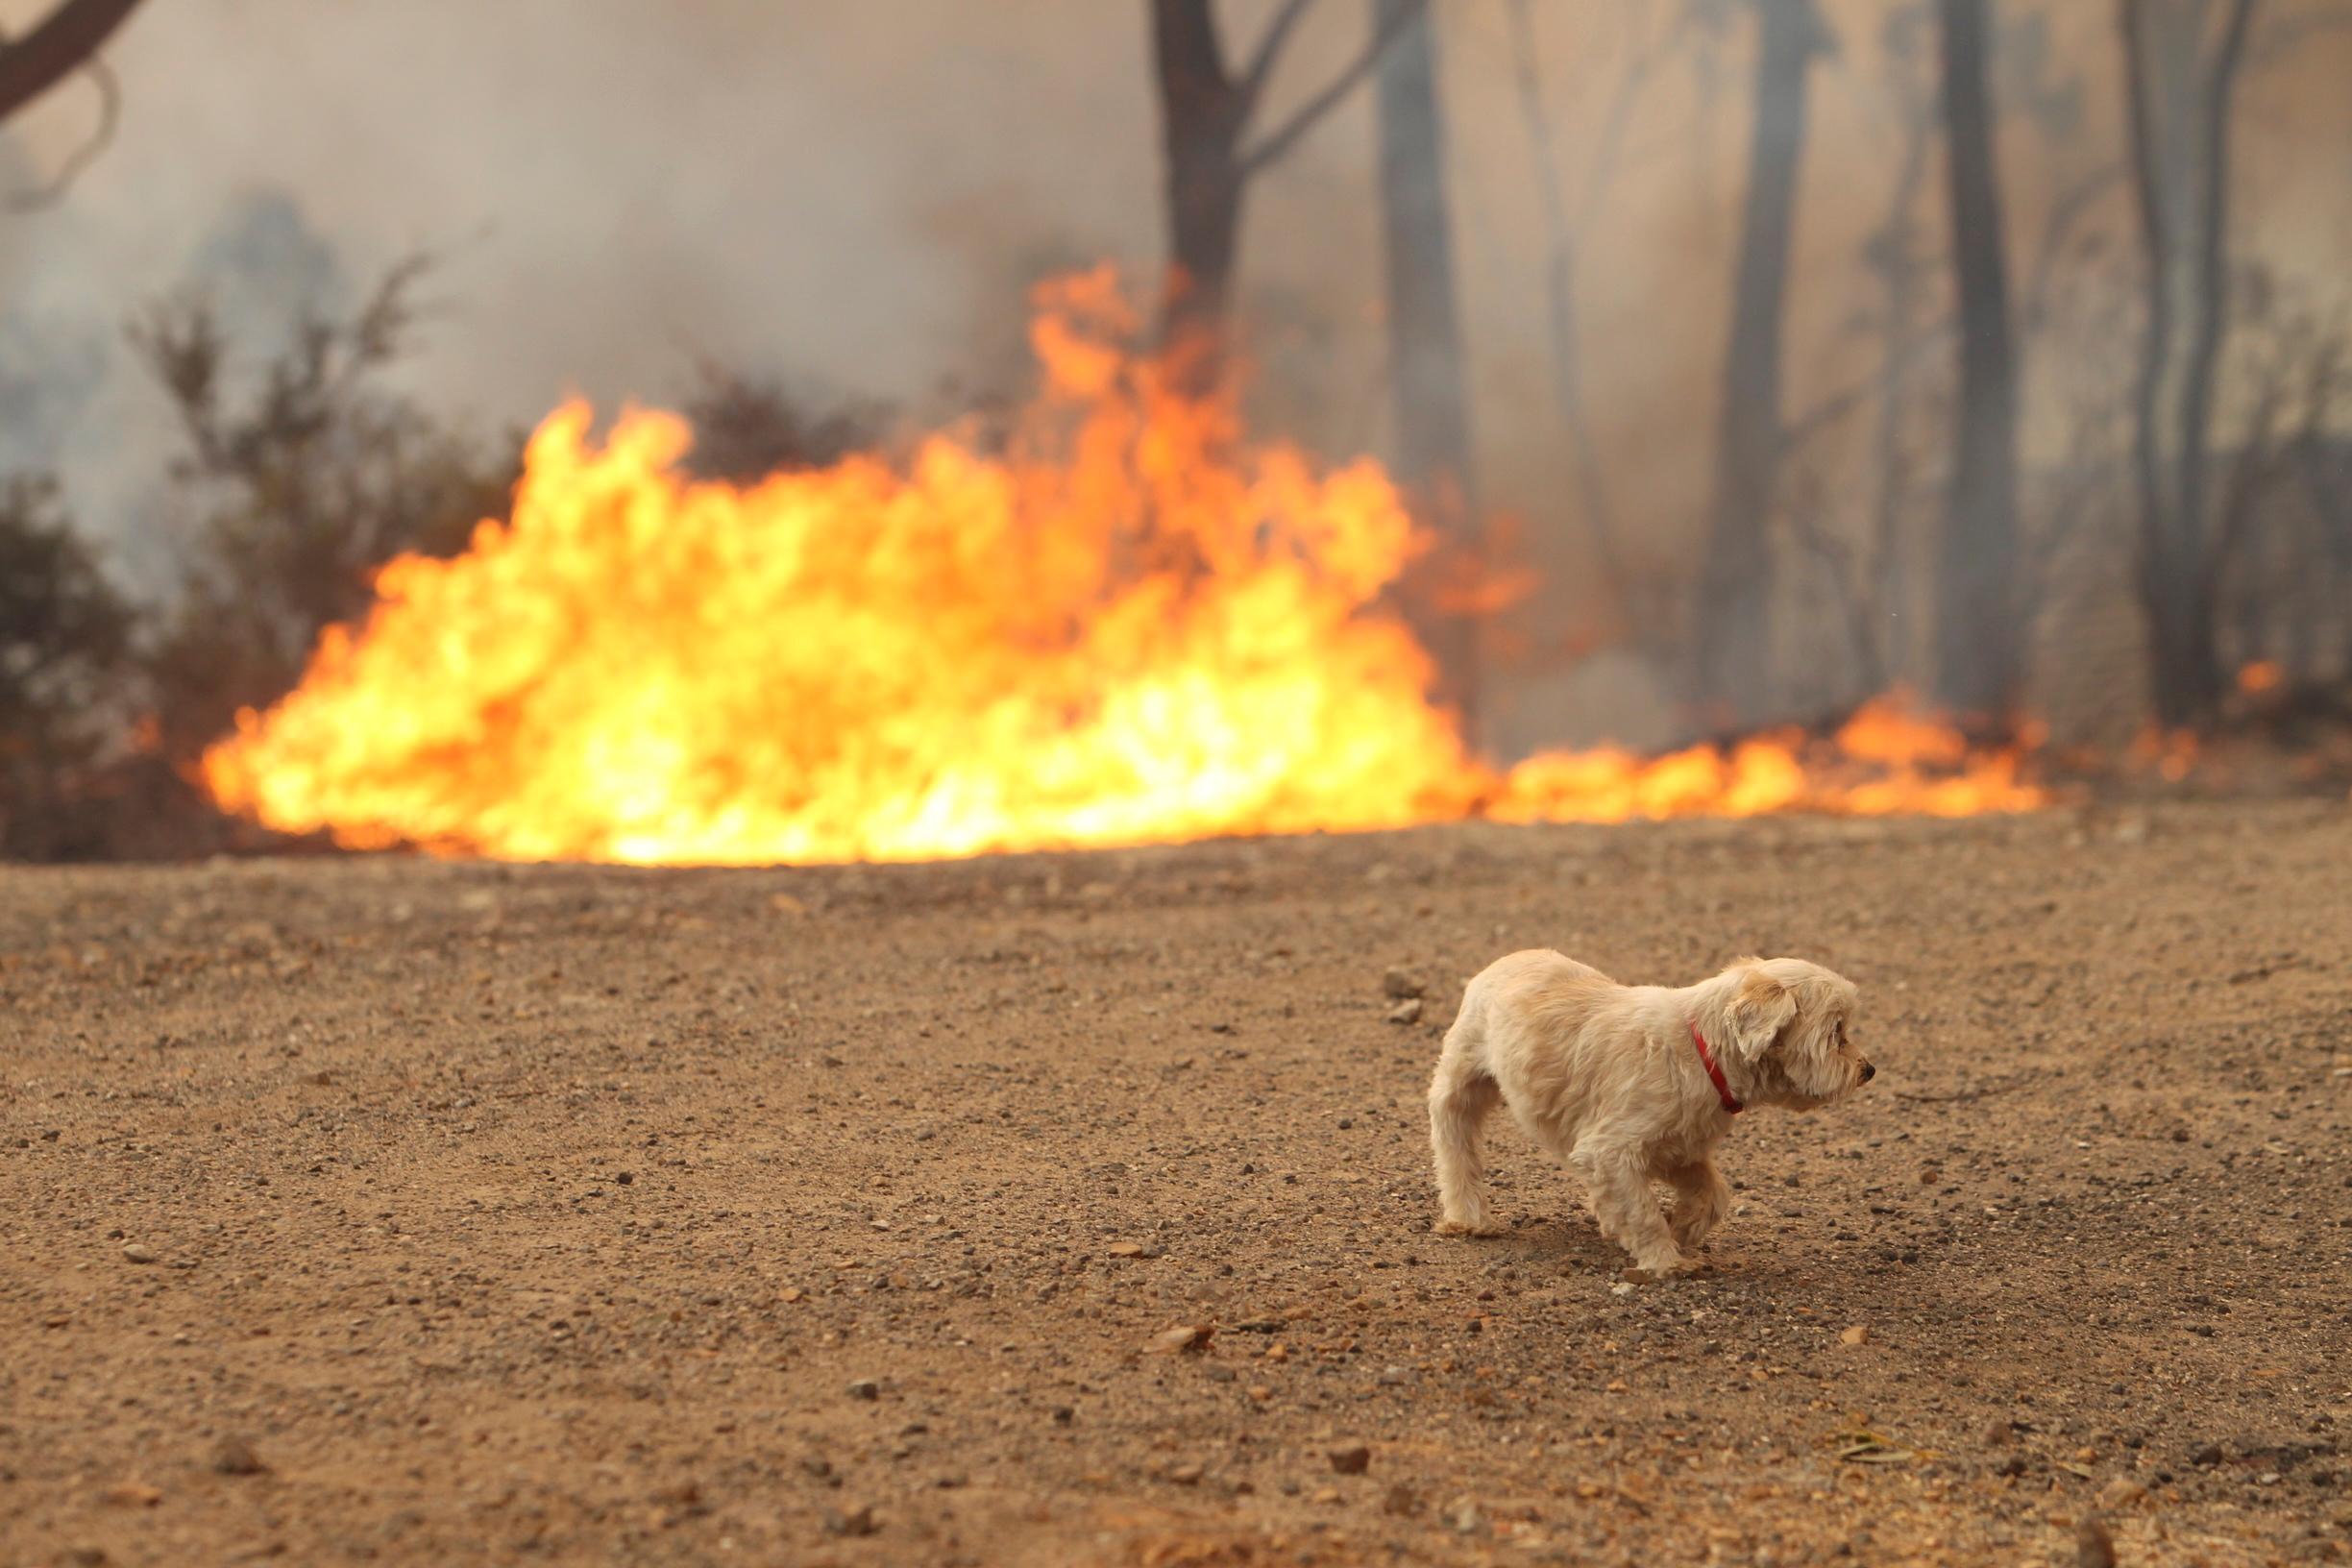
(852, 197)
(48, 377)
(263, 268)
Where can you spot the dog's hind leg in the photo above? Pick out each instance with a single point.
(1460, 1097)
(1617, 1180)
(1700, 1200)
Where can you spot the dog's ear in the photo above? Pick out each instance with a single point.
(1761, 1009)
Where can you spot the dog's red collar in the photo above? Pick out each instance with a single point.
(1706, 1059)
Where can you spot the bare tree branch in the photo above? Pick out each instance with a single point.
(2304, 369)
(2289, 33)
(1609, 144)
(2067, 212)
(56, 49)
(110, 117)
(1838, 560)
(1303, 119)
(1269, 51)
(1564, 232)
(1560, 293)
(1897, 361)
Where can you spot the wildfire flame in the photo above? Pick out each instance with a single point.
(1130, 626)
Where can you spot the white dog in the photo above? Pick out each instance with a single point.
(1631, 1084)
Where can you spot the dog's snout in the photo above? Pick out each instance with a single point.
(1868, 1072)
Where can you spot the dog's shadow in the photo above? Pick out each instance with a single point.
(1572, 1241)
(1573, 1244)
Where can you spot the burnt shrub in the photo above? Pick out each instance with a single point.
(747, 426)
(66, 653)
(288, 498)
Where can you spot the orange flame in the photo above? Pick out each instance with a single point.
(2171, 753)
(1131, 627)
(1884, 761)
(2260, 677)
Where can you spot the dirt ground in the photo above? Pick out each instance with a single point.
(389, 1209)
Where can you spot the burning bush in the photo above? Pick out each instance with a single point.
(746, 427)
(292, 496)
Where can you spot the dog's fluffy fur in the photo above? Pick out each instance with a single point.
(1607, 1078)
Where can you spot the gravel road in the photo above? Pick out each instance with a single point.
(1075, 1209)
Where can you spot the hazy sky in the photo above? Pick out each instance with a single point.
(852, 194)
(616, 186)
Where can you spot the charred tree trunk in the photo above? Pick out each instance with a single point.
(1734, 611)
(2180, 123)
(1202, 113)
(1424, 323)
(1977, 656)
(1432, 415)
(1895, 251)
(1560, 246)
(1206, 115)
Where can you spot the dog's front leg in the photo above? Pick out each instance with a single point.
(1618, 1182)
(1700, 1200)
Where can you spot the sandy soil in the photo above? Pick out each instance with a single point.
(410, 1212)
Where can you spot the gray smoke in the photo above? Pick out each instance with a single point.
(852, 197)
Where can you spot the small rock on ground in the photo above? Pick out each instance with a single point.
(236, 1456)
(858, 1522)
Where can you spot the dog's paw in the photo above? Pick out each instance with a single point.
(1652, 1273)
(1462, 1226)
